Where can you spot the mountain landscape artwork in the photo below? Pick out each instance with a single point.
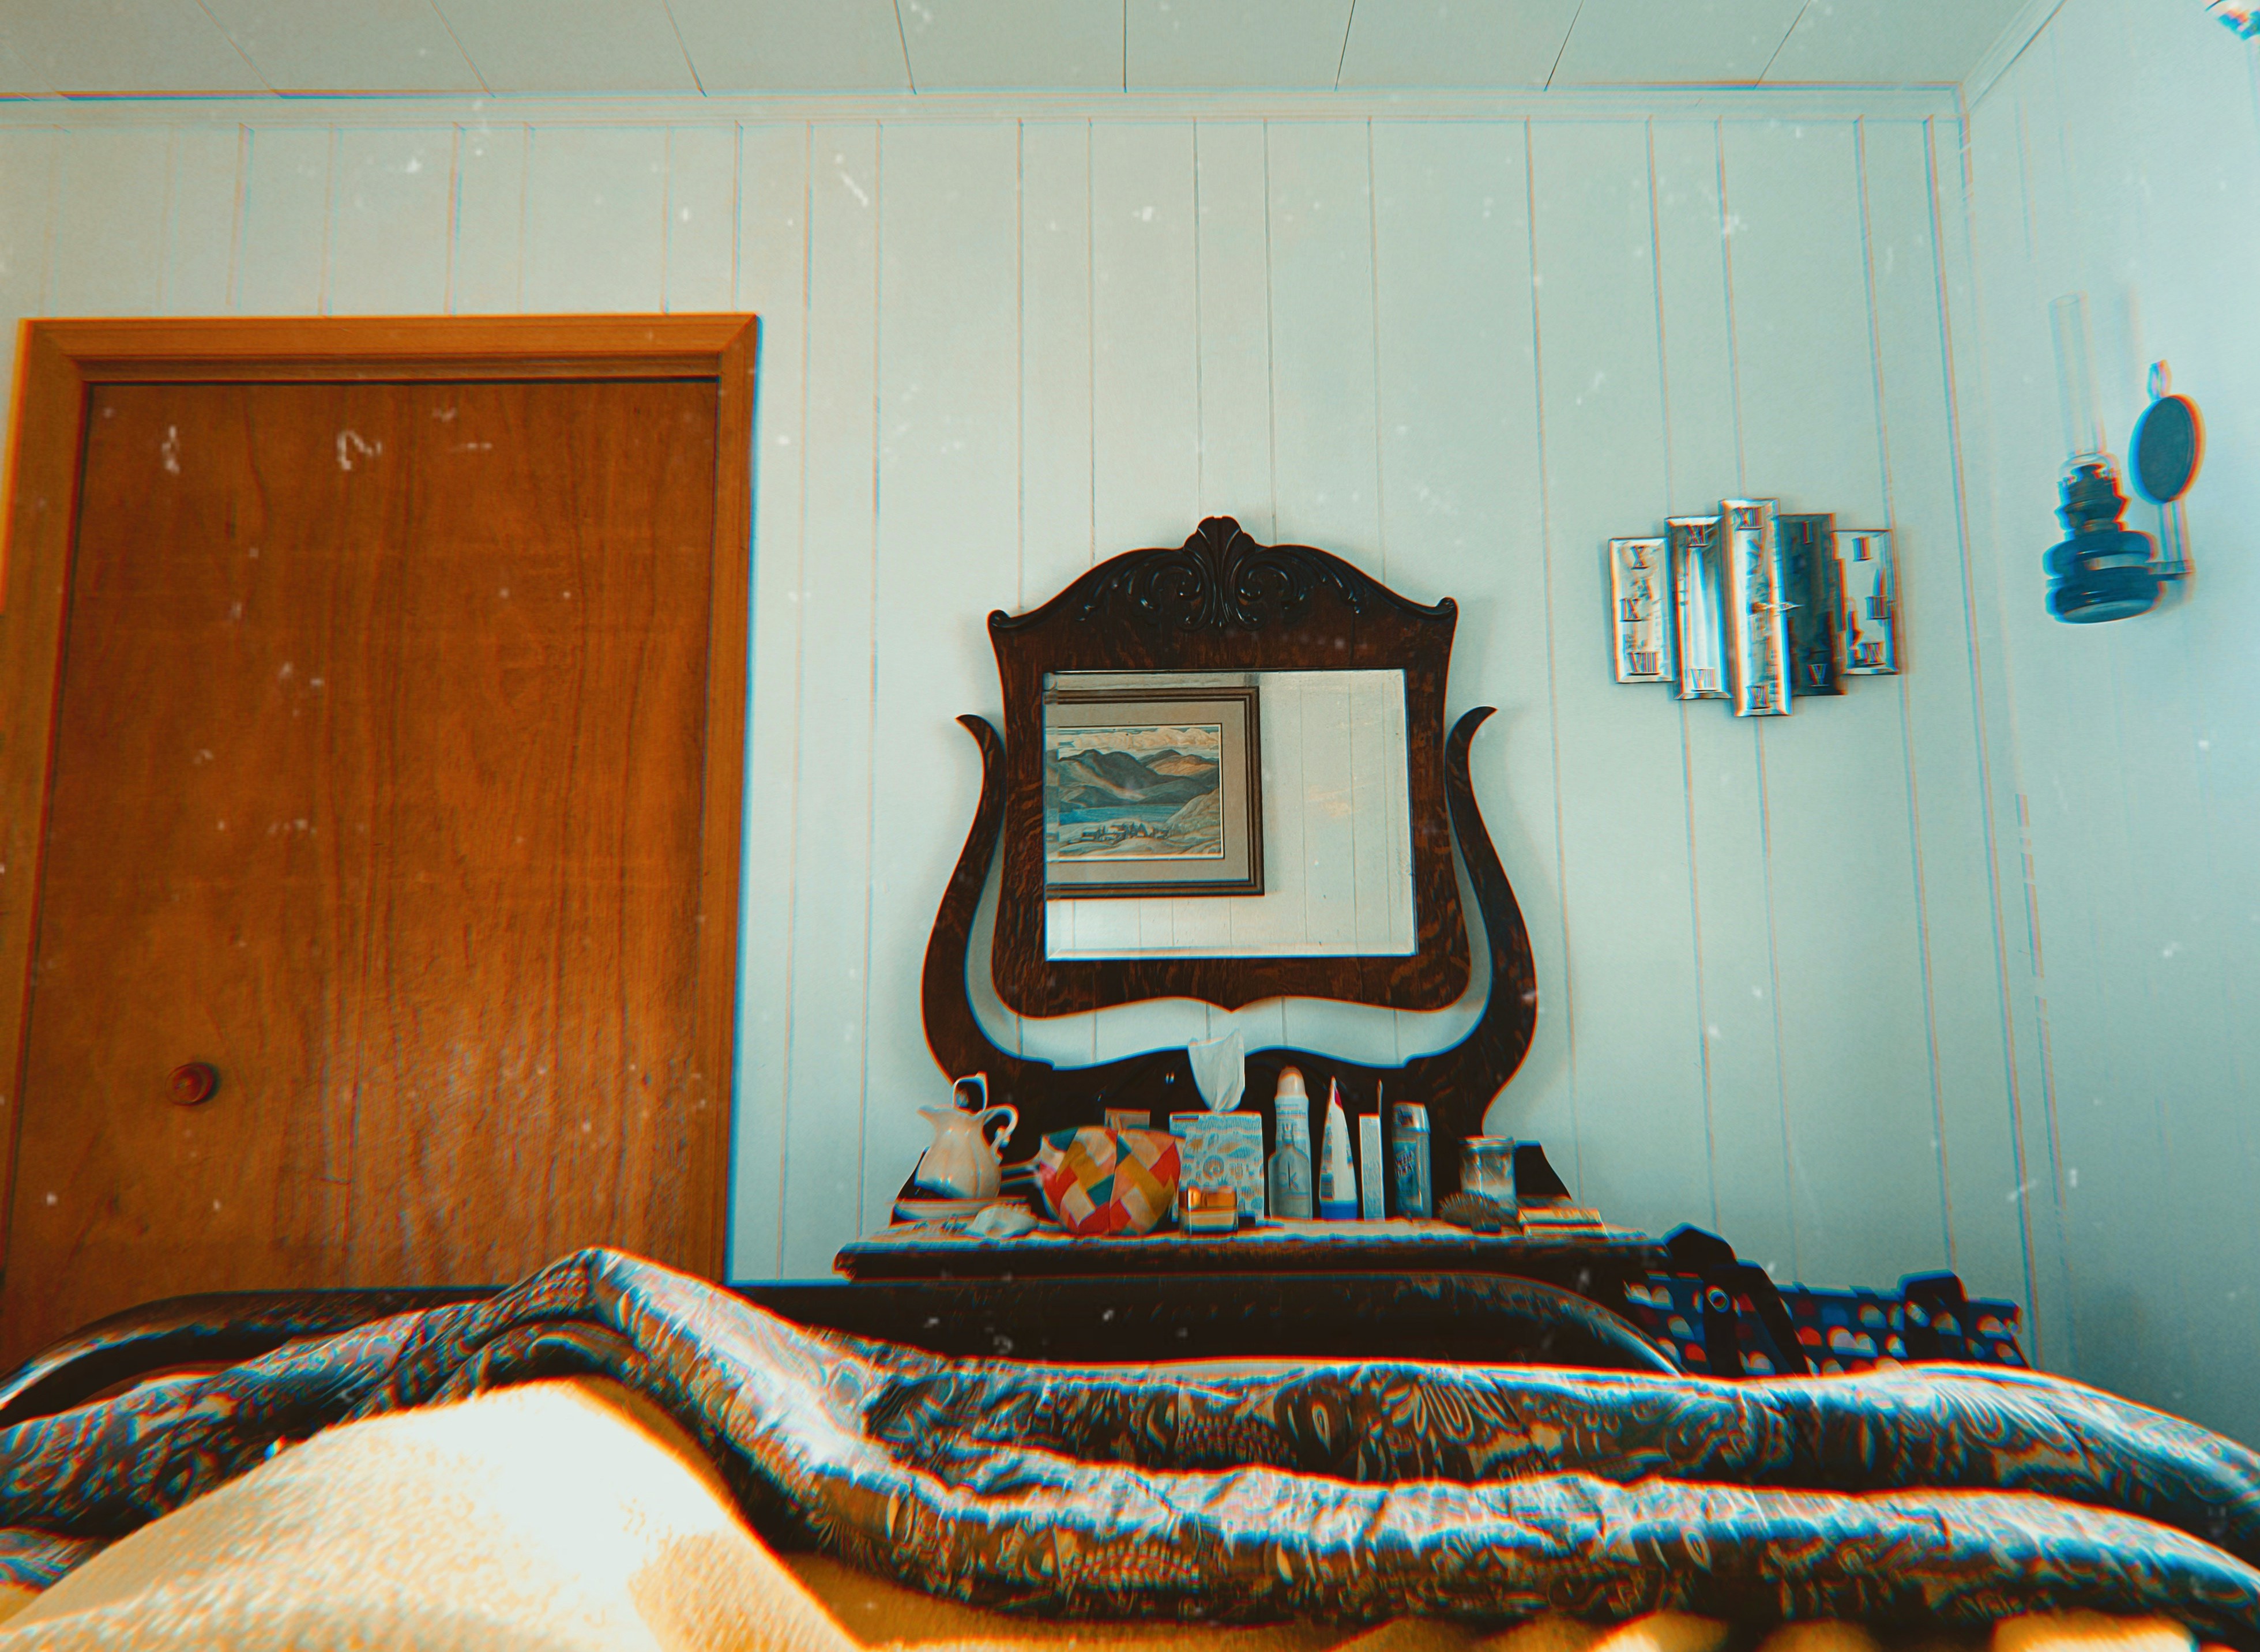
(1134, 793)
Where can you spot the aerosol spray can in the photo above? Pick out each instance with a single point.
(1411, 1182)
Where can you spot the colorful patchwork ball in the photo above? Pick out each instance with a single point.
(1102, 1182)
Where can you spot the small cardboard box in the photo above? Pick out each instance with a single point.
(1222, 1150)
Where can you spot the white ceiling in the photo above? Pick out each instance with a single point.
(117, 47)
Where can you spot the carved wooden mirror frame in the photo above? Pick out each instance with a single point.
(1224, 603)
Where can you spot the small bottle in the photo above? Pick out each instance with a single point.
(1290, 1170)
(1411, 1178)
(1337, 1180)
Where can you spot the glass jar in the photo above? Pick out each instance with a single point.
(1487, 1169)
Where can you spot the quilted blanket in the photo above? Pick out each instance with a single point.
(1357, 1490)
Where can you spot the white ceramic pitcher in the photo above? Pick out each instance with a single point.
(963, 1159)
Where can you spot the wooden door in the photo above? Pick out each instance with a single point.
(387, 726)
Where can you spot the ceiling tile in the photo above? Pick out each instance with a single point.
(738, 45)
(1013, 43)
(1702, 42)
(1456, 42)
(18, 78)
(346, 46)
(1254, 43)
(570, 46)
(1890, 42)
(126, 46)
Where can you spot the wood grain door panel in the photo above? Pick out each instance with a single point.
(380, 780)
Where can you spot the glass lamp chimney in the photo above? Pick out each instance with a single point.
(2103, 571)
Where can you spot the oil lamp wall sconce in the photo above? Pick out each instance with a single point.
(1754, 606)
(2103, 570)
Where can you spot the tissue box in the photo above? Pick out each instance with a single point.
(1222, 1150)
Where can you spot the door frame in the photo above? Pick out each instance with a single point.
(57, 363)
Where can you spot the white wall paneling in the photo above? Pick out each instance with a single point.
(29, 163)
(701, 272)
(389, 239)
(1635, 1055)
(281, 261)
(1056, 535)
(1951, 793)
(1460, 343)
(204, 219)
(595, 218)
(2119, 155)
(828, 1096)
(109, 246)
(486, 271)
(773, 196)
(1731, 902)
(1145, 427)
(1460, 501)
(948, 463)
(1856, 1067)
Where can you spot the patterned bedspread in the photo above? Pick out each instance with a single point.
(1358, 1490)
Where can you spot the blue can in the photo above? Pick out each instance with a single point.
(1412, 1182)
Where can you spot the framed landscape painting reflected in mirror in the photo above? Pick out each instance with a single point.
(1151, 791)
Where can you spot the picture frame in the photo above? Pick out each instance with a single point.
(1151, 791)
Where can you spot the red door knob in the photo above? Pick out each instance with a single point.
(193, 1082)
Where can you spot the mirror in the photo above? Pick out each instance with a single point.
(1323, 813)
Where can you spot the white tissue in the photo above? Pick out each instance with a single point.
(1003, 1221)
(1220, 1070)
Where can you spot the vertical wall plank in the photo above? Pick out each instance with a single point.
(1054, 353)
(486, 275)
(1724, 801)
(948, 507)
(1232, 301)
(1857, 1066)
(1146, 350)
(280, 266)
(1641, 1146)
(772, 275)
(1325, 451)
(2127, 1326)
(1322, 362)
(110, 246)
(589, 188)
(1056, 533)
(389, 240)
(1985, 176)
(2119, 144)
(1145, 415)
(30, 160)
(826, 1083)
(1959, 909)
(702, 218)
(1456, 401)
(1235, 325)
(203, 213)
(2169, 951)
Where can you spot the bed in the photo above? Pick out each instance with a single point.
(613, 1454)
